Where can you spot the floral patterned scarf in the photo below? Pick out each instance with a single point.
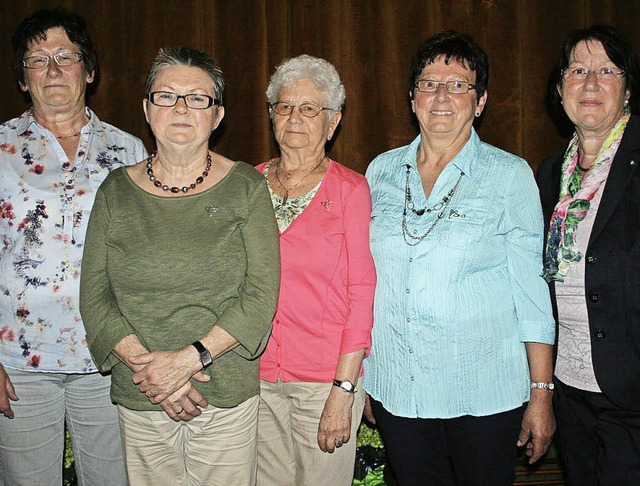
(576, 193)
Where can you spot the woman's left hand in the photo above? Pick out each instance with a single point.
(335, 422)
(538, 425)
(165, 372)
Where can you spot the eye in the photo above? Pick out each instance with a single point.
(198, 98)
(458, 84)
(606, 71)
(37, 61)
(165, 95)
(579, 71)
(308, 107)
(65, 56)
(430, 84)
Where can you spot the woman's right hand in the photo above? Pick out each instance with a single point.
(7, 393)
(185, 404)
(368, 411)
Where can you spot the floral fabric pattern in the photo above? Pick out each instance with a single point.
(45, 202)
(576, 193)
(285, 215)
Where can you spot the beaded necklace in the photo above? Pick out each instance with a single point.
(175, 189)
(409, 206)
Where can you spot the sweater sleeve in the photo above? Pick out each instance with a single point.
(361, 272)
(524, 233)
(102, 319)
(249, 318)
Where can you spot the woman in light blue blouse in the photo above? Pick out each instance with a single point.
(461, 364)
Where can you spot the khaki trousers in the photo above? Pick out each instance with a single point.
(216, 448)
(288, 451)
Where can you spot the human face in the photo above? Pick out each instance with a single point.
(55, 89)
(179, 124)
(593, 105)
(442, 114)
(297, 132)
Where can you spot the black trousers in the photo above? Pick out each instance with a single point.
(598, 442)
(462, 451)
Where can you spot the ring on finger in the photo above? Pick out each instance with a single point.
(178, 412)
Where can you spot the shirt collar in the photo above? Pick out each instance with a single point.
(27, 119)
(464, 160)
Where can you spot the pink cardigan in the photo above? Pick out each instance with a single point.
(327, 283)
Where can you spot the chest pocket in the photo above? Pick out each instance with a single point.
(463, 226)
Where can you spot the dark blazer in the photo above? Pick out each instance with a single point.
(612, 269)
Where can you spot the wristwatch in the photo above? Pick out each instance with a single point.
(346, 385)
(542, 385)
(205, 355)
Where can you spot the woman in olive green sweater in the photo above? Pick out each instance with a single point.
(179, 287)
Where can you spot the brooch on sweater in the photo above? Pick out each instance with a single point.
(211, 210)
(327, 204)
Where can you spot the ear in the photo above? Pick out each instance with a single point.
(559, 89)
(218, 117)
(481, 103)
(23, 86)
(145, 102)
(90, 77)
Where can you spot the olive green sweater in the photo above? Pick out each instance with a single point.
(169, 269)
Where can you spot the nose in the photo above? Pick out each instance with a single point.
(442, 94)
(591, 81)
(295, 115)
(53, 69)
(181, 105)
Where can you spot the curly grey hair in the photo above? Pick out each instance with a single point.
(320, 72)
(186, 56)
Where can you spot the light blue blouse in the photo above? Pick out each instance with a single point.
(452, 313)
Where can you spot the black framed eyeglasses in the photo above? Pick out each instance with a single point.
(193, 100)
(308, 109)
(453, 87)
(61, 59)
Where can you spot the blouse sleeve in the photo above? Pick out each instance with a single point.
(102, 319)
(361, 271)
(523, 227)
(249, 318)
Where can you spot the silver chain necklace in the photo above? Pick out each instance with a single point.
(440, 207)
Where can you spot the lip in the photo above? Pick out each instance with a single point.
(590, 103)
(441, 112)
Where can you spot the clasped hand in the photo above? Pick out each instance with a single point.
(163, 376)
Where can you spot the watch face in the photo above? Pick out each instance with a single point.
(347, 385)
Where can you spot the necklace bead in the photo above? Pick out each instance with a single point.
(175, 189)
(440, 207)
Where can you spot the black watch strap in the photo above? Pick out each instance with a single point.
(205, 355)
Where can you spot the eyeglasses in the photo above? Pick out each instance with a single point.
(61, 59)
(195, 101)
(308, 109)
(606, 75)
(453, 87)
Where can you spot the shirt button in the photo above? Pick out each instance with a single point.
(410, 260)
(591, 259)
(593, 297)
(600, 334)
(412, 378)
(407, 291)
(411, 350)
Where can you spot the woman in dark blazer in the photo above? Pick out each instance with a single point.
(590, 195)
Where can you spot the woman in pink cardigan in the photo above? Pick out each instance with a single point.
(311, 403)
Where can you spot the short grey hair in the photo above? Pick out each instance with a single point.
(320, 72)
(186, 56)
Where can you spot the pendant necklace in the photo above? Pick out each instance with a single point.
(409, 206)
(175, 189)
(285, 196)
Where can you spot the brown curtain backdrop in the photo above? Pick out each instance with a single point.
(370, 43)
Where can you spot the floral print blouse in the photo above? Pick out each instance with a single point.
(45, 202)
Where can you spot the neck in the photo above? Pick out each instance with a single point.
(438, 152)
(62, 125)
(181, 161)
(293, 161)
